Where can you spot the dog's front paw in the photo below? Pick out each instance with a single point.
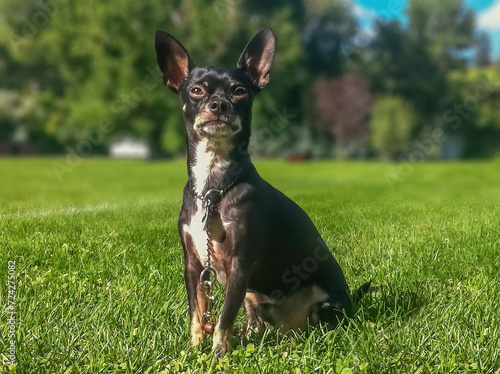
(196, 339)
(221, 339)
(196, 334)
(220, 350)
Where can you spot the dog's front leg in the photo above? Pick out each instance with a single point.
(196, 298)
(236, 284)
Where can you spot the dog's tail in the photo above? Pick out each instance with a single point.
(358, 293)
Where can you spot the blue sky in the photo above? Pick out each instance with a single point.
(488, 12)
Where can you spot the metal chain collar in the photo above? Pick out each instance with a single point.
(208, 275)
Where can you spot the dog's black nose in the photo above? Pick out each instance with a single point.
(218, 106)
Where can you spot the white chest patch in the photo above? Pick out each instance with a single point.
(206, 162)
(195, 230)
(201, 167)
(197, 233)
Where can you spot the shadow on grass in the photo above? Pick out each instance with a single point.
(389, 302)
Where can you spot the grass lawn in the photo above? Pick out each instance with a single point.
(99, 284)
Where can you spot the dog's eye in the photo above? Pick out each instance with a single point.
(239, 92)
(197, 92)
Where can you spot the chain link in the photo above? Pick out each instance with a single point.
(207, 286)
(209, 242)
(209, 272)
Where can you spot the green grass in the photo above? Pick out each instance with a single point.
(99, 285)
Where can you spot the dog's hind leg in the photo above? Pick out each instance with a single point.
(255, 323)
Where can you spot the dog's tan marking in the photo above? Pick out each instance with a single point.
(292, 313)
(197, 333)
(252, 301)
(199, 119)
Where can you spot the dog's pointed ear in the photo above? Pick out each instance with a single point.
(258, 56)
(173, 60)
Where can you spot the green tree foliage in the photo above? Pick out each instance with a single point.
(87, 70)
(103, 57)
(420, 63)
(400, 65)
(483, 49)
(445, 27)
(475, 113)
(327, 35)
(393, 120)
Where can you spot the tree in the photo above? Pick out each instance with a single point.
(103, 53)
(327, 37)
(101, 60)
(343, 107)
(413, 62)
(392, 122)
(483, 49)
(398, 65)
(474, 116)
(445, 27)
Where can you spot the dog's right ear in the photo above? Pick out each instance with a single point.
(173, 60)
(257, 58)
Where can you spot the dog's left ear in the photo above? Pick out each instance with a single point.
(257, 57)
(173, 60)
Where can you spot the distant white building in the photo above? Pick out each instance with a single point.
(129, 148)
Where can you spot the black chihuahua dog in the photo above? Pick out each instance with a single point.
(262, 246)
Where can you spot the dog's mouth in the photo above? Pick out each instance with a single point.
(214, 128)
(215, 125)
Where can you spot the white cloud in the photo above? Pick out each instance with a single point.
(365, 17)
(490, 18)
(362, 12)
